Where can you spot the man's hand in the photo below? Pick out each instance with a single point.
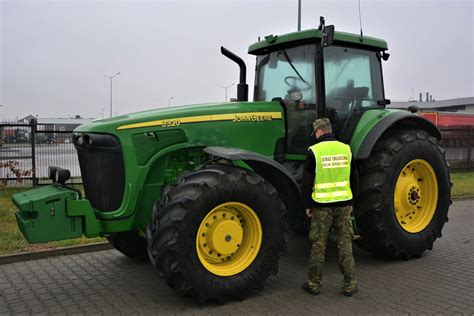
(309, 212)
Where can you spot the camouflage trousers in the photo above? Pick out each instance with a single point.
(322, 220)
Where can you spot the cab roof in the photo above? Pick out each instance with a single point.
(271, 41)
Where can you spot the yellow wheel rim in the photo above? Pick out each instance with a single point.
(229, 238)
(416, 196)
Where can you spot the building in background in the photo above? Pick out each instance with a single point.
(447, 113)
(465, 105)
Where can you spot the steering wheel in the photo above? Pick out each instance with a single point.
(296, 83)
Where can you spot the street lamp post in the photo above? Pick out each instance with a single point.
(103, 111)
(110, 78)
(225, 88)
(169, 101)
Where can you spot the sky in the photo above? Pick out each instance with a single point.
(54, 54)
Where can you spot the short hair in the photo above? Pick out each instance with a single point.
(323, 124)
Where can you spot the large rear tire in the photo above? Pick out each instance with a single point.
(218, 233)
(404, 195)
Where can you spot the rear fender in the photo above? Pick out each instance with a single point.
(270, 170)
(394, 120)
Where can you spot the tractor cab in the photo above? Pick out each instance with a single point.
(311, 79)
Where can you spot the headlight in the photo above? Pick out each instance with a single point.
(80, 140)
(59, 175)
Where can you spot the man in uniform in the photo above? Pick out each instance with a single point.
(328, 199)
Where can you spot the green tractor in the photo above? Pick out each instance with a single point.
(207, 192)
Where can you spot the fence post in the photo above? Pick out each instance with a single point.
(33, 125)
(469, 148)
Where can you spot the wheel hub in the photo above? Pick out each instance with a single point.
(416, 196)
(229, 238)
(224, 236)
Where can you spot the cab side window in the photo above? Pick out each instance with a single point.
(353, 81)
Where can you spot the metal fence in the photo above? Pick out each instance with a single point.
(27, 149)
(459, 144)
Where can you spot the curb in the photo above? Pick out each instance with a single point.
(25, 256)
(462, 198)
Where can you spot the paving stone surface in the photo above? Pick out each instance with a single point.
(107, 283)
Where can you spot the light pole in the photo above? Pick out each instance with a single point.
(225, 88)
(110, 78)
(169, 101)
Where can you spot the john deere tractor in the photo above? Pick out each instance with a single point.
(207, 191)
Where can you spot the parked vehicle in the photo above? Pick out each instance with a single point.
(207, 191)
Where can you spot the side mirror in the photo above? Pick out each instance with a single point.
(328, 36)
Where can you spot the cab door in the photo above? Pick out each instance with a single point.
(288, 75)
(353, 84)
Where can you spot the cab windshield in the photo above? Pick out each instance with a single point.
(289, 74)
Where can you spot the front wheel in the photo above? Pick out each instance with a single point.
(404, 195)
(218, 233)
(130, 243)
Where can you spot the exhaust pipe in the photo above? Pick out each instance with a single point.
(242, 87)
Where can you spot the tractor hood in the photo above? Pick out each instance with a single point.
(179, 115)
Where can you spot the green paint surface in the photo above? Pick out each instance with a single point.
(315, 34)
(42, 214)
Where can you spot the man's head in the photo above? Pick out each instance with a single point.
(322, 126)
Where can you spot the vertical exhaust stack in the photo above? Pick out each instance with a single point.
(427, 96)
(421, 97)
(242, 87)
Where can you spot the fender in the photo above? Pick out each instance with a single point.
(270, 170)
(394, 120)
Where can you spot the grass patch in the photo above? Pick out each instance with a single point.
(11, 239)
(463, 184)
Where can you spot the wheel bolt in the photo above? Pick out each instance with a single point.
(232, 218)
(207, 224)
(214, 217)
(223, 215)
(210, 252)
(203, 235)
(204, 245)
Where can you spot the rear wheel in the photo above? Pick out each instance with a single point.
(404, 195)
(218, 233)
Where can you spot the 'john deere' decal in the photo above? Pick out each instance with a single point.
(233, 117)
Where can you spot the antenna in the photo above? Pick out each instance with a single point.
(299, 15)
(360, 23)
